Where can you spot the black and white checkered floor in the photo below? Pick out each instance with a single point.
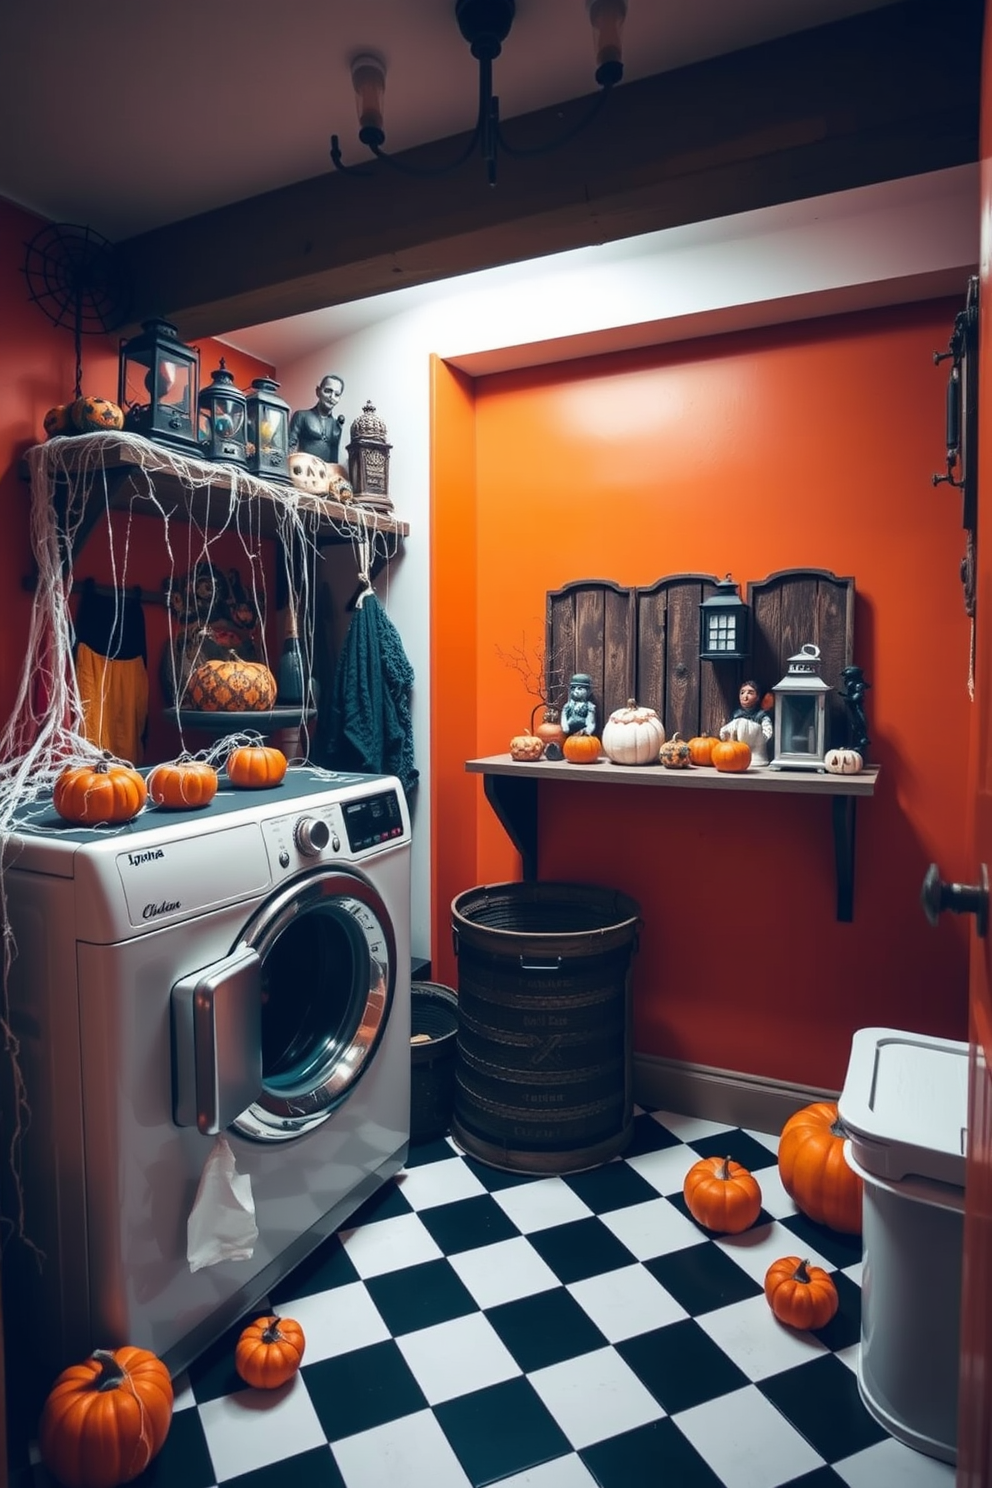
(471, 1327)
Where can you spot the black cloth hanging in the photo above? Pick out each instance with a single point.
(371, 728)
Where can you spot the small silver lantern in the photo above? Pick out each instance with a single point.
(723, 624)
(368, 460)
(801, 713)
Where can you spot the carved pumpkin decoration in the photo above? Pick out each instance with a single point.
(633, 735)
(800, 1295)
(89, 414)
(843, 762)
(730, 755)
(581, 749)
(183, 784)
(57, 421)
(815, 1173)
(701, 749)
(100, 794)
(674, 753)
(722, 1195)
(549, 730)
(231, 686)
(269, 1352)
(256, 766)
(526, 747)
(104, 1420)
(309, 473)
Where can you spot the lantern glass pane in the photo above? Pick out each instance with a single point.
(721, 632)
(798, 724)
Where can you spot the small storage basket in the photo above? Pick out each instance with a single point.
(433, 1038)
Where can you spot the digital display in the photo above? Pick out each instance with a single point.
(372, 820)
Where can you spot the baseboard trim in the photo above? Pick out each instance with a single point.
(726, 1096)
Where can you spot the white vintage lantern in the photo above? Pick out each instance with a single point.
(801, 713)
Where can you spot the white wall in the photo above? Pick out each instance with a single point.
(888, 244)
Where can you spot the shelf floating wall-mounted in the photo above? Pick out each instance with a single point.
(512, 790)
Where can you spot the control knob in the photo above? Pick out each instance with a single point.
(311, 835)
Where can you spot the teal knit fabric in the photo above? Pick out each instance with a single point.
(371, 728)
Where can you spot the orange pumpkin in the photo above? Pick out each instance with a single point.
(549, 730)
(815, 1173)
(701, 749)
(106, 792)
(269, 1352)
(183, 784)
(256, 766)
(800, 1295)
(89, 414)
(57, 421)
(581, 749)
(722, 1195)
(730, 755)
(231, 686)
(104, 1420)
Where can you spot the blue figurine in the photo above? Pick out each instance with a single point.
(579, 713)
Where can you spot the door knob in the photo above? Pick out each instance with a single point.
(936, 895)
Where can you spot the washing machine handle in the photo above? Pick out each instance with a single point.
(217, 1042)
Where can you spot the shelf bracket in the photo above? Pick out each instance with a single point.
(845, 819)
(514, 800)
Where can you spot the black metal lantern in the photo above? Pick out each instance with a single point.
(368, 460)
(223, 418)
(158, 382)
(268, 431)
(801, 713)
(723, 624)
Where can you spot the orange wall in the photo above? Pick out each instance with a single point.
(37, 370)
(810, 445)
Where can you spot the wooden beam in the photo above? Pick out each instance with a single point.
(890, 93)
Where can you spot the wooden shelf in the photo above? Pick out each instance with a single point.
(130, 471)
(511, 788)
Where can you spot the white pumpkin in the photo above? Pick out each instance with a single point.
(633, 735)
(843, 762)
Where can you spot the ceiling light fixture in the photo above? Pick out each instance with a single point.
(485, 25)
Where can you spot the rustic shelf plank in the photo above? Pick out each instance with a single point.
(189, 489)
(511, 788)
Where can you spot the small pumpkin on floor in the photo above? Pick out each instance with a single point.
(105, 1419)
(269, 1352)
(800, 1295)
(722, 1195)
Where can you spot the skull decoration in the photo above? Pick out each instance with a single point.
(309, 473)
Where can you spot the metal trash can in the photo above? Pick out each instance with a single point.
(904, 1107)
(543, 1071)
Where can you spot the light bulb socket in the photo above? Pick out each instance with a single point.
(368, 78)
(606, 18)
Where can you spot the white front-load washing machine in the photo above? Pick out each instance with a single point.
(238, 974)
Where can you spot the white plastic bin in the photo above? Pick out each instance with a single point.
(905, 1110)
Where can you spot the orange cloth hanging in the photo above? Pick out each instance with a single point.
(111, 672)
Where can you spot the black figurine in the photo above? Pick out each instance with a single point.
(852, 690)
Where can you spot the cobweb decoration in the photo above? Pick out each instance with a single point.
(45, 731)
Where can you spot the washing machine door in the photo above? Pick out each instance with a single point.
(321, 959)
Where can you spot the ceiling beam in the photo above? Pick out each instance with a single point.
(893, 92)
